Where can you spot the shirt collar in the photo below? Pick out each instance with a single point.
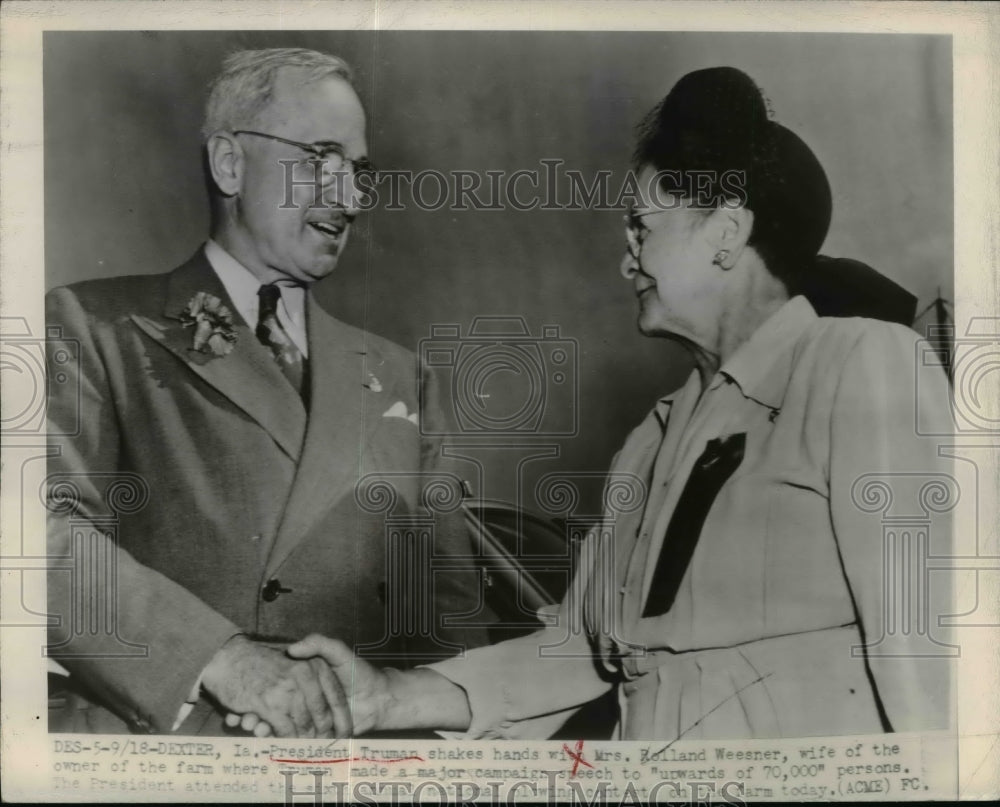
(242, 287)
(240, 283)
(664, 406)
(760, 366)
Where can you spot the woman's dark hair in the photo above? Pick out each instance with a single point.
(715, 124)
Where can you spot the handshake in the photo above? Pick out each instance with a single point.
(318, 688)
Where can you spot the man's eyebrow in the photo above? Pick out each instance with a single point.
(328, 144)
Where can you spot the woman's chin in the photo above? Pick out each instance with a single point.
(650, 324)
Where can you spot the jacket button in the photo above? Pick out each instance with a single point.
(272, 589)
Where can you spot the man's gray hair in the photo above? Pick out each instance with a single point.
(244, 87)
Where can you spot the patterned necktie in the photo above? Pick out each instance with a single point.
(272, 335)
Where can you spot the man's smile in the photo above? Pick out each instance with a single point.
(330, 226)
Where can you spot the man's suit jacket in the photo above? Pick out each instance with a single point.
(193, 498)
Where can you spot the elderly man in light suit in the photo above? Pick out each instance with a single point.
(249, 415)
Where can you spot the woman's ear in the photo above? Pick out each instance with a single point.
(728, 232)
(225, 161)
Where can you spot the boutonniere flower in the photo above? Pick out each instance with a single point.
(373, 383)
(213, 324)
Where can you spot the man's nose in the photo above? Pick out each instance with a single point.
(344, 191)
(629, 265)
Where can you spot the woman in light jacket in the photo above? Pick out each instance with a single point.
(771, 581)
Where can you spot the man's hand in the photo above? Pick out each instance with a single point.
(295, 698)
(367, 687)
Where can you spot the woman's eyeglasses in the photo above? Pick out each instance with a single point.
(330, 156)
(636, 230)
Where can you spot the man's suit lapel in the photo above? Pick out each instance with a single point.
(248, 376)
(336, 434)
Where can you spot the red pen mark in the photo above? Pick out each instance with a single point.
(576, 756)
(347, 759)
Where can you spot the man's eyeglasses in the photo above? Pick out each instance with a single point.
(330, 156)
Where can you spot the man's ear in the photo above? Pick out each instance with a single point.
(225, 161)
(728, 233)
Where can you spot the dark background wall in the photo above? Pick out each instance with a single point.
(124, 191)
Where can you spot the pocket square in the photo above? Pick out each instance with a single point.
(398, 410)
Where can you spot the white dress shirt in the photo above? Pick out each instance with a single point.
(242, 288)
